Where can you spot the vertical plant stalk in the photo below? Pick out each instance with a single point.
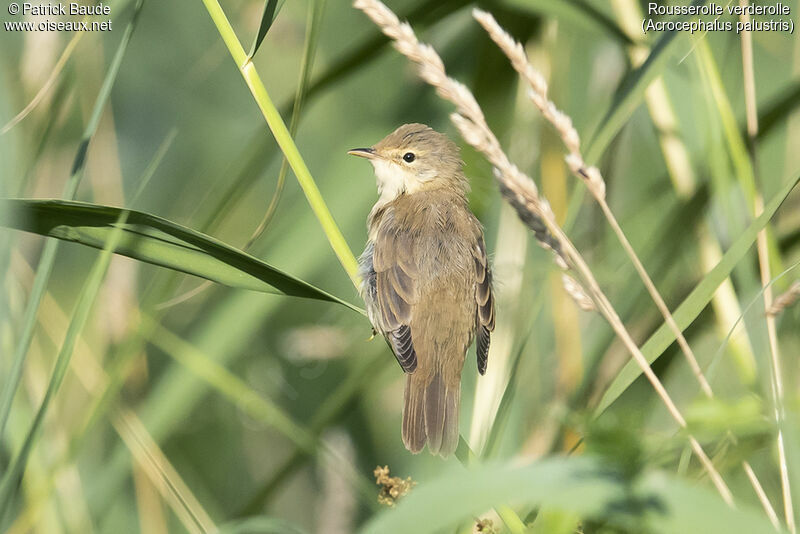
(151, 459)
(510, 251)
(315, 13)
(679, 168)
(91, 287)
(149, 508)
(592, 176)
(284, 140)
(161, 472)
(51, 245)
(520, 190)
(751, 108)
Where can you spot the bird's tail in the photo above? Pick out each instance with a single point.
(430, 414)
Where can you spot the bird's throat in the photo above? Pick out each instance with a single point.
(392, 181)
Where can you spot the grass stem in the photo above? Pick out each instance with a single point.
(751, 109)
(284, 140)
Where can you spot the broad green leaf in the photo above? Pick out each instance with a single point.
(631, 92)
(158, 241)
(680, 506)
(574, 484)
(697, 300)
(578, 485)
(271, 8)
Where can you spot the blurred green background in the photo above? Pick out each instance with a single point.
(190, 406)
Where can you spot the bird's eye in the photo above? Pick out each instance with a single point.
(409, 157)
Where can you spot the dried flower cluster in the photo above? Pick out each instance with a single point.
(392, 488)
(486, 526)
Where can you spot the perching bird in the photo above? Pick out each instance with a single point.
(427, 284)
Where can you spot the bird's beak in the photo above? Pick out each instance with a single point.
(368, 153)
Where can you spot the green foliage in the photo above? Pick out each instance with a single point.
(155, 240)
(271, 9)
(697, 300)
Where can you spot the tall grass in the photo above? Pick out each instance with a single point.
(131, 404)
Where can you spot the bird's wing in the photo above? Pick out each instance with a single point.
(396, 274)
(485, 304)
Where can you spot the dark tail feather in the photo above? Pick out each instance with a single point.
(431, 414)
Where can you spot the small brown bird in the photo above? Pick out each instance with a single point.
(426, 279)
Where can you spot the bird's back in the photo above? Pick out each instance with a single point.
(420, 283)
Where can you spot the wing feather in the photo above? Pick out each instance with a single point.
(484, 299)
(396, 275)
(403, 348)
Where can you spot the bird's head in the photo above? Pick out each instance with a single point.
(414, 158)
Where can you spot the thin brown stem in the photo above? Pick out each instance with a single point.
(751, 108)
(590, 175)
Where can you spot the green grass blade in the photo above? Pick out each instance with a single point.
(258, 151)
(315, 13)
(697, 300)
(51, 246)
(737, 149)
(631, 93)
(80, 316)
(329, 412)
(285, 141)
(155, 240)
(256, 406)
(14, 472)
(271, 9)
(7, 244)
(229, 385)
